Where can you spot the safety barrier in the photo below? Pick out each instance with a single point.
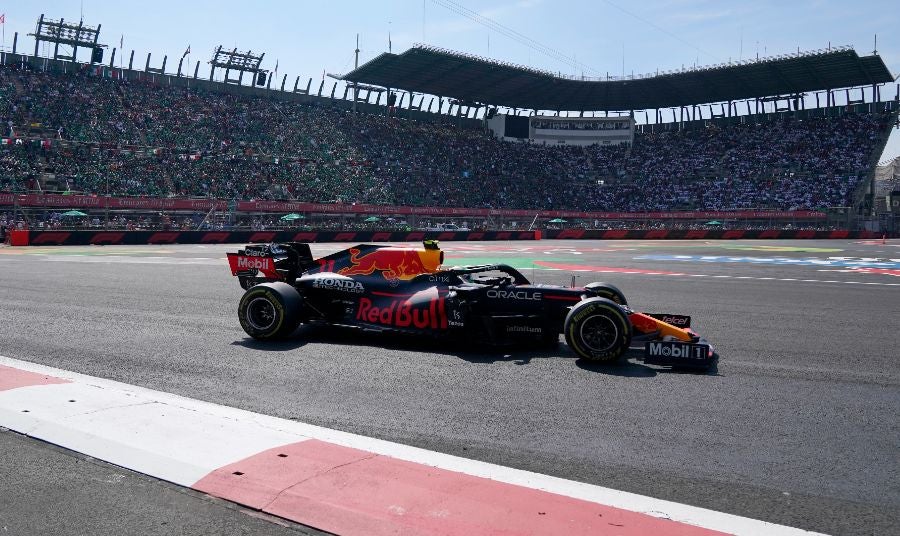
(84, 238)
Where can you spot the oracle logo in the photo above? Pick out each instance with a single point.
(514, 295)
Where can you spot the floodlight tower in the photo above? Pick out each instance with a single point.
(64, 33)
(243, 62)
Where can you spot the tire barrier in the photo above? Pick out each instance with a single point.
(701, 234)
(85, 238)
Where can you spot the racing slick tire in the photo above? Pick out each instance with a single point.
(605, 290)
(270, 310)
(598, 330)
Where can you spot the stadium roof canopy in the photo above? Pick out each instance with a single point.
(470, 79)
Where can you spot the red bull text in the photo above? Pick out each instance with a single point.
(404, 314)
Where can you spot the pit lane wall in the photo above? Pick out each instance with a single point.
(698, 234)
(85, 238)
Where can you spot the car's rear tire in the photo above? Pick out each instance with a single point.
(605, 290)
(270, 310)
(598, 330)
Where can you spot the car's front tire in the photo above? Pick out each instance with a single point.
(270, 310)
(605, 290)
(598, 330)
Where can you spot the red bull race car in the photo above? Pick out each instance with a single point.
(408, 290)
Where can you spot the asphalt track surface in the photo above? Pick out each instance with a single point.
(798, 426)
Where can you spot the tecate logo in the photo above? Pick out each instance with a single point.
(260, 263)
(346, 285)
(514, 295)
(403, 314)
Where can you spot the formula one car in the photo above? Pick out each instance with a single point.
(407, 290)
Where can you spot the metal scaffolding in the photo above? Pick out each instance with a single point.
(243, 62)
(65, 33)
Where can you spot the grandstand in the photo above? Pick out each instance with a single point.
(798, 136)
(887, 194)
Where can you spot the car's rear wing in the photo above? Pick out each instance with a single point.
(279, 262)
(286, 261)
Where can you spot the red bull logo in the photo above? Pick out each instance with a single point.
(392, 263)
(404, 314)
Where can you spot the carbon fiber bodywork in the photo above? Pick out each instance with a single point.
(408, 290)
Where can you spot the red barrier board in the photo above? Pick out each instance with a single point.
(66, 238)
(18, 238)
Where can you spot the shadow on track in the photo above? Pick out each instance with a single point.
(283, 345)
(479, 353)
(625, 369)
(631, 367)
(468, 351)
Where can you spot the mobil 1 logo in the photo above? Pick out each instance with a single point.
(670, 352)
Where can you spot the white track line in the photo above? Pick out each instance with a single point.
(175, 438)
(741, 277)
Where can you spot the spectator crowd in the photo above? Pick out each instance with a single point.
(104, 136)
